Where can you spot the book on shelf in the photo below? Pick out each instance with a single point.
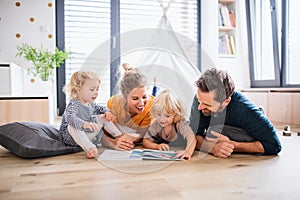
(138, 154)
(226, 16)
(221, 19)
(232, 44)
(226, 45)
(232, 18)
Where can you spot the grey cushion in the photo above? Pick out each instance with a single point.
(33, 140)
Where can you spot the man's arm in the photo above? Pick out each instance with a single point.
(197, 121)
(249, 147)
(251, 119)
(194, 116)
(223, 147)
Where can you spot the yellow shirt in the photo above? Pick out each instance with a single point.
(140, 121)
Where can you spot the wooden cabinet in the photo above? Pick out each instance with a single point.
(24, 109)
(259, 99)
(226, 28)
(280, 105)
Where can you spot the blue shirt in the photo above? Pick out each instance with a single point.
(241, 113)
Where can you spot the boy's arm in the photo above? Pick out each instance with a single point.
(191, 144)
(148, 144)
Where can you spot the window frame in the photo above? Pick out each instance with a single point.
(284, 53)
(60, 43)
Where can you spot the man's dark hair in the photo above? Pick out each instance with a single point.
(218, 80)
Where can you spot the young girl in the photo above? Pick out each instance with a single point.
(131, 110)
(83, 118)
(169, 127)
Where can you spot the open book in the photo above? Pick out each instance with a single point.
(150, 154)
(138, 154)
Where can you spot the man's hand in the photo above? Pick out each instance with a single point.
(223, 147)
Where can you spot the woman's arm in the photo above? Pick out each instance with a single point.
(119, 143)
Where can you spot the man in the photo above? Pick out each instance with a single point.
(225, 121)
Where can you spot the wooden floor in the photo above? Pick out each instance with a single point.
(204, 177)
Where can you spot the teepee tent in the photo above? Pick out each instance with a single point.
(165, 59)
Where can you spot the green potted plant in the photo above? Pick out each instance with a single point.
(43, 60)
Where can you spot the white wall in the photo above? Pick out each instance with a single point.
(237, 67)
(15, 20)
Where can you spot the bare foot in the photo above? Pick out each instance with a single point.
(92, 153)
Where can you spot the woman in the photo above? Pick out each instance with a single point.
(131, 110)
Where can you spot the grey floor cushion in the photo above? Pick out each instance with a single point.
(33, 140)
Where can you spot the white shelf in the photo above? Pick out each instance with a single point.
(226, 1)
(226, 56)
(226, 29)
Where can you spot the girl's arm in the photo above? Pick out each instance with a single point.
(99, 109)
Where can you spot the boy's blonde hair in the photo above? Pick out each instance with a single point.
(131, 79)
(77, 80)
(169, 102)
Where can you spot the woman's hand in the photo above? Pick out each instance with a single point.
(124, 143)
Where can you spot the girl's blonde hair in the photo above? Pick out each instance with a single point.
(132, 78)
(77, 80)
(169, 102)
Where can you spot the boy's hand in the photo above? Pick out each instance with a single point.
(183, 155)
(163, 147)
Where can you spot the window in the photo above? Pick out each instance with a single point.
(146, 14)
(291, 43)
(263, 43)
(89, 24)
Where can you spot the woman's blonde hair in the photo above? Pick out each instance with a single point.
(132, 78)
(169, 102)
(77, 80)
